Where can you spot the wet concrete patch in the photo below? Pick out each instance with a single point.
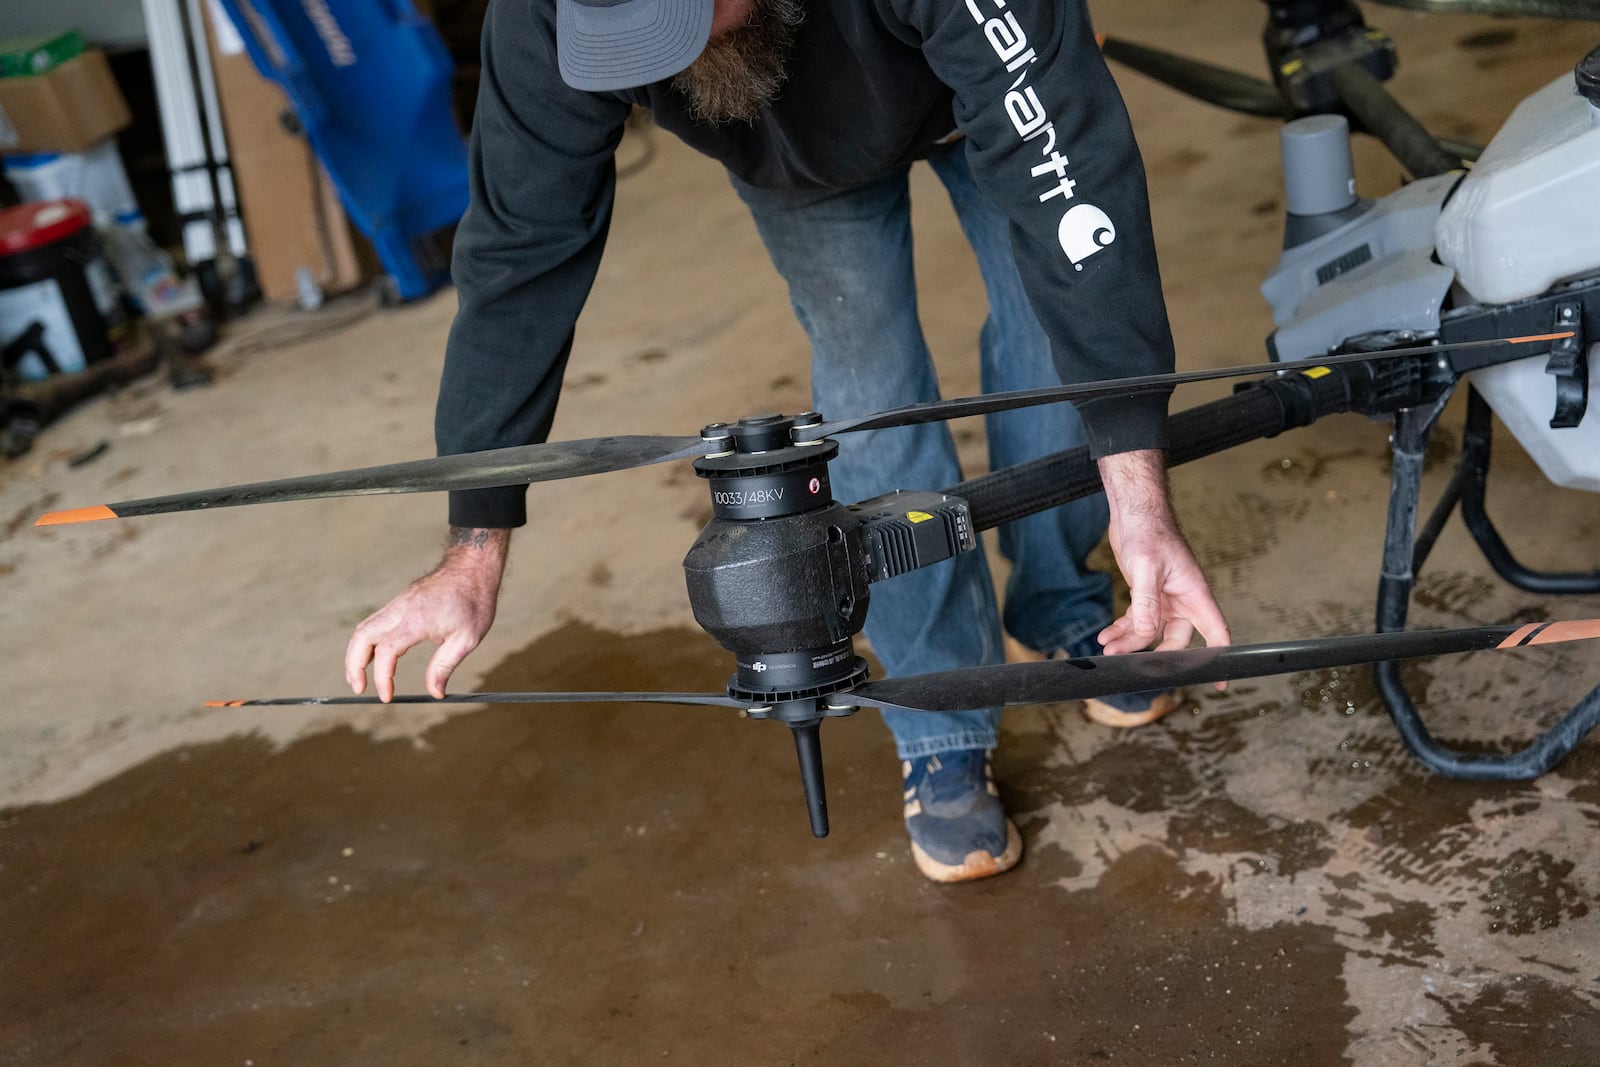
(1406, 929)
(1525, 1019)
(612, 884)
(1138, 777)
(1533, 890)
(1145, 968)
(1297, 798)
(1250, 528)
(1455, 592)
(579, 884)
(1487, 39)
(586, 381)
(1309, 468)
(25, 515)
(1220, 825)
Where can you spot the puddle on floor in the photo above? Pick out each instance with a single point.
(622, 884)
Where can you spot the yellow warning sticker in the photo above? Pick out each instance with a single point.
(918, 516)
(1318, 372)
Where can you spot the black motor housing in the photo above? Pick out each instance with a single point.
(784, 595)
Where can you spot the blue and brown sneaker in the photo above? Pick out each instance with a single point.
(959, 831)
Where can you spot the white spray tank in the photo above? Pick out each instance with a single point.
(1525, 219)
(1528, 215)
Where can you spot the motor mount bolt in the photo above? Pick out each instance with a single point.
(719, 436)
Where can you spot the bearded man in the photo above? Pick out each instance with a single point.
(818, 108)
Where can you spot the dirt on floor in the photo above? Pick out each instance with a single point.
(1263, 877)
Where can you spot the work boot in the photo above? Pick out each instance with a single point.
(959, 832)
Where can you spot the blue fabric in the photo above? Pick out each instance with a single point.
(847, 257)
(370, 83)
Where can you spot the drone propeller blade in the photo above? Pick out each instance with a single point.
(1550, 9)
(1203, 81)
(473, 470)
(1233, 91)
(524, 464)
(1054, 681)
(718, 700)
(940, 410)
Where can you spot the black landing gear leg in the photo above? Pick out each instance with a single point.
(1403, 556)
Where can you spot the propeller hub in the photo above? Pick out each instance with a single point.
(758, 474)
(762, 433)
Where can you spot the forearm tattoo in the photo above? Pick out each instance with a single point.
(462, 537)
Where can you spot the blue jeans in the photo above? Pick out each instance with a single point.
(846, 255)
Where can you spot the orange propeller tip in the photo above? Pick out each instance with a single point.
(224, 704)
(76, 515)
(1534, 338)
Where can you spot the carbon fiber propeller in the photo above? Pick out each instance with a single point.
(1204, 81)
(914, 414)
(520, 465)
(1055, 681)
(1550, 9)
(1228, 89)
(526, 464)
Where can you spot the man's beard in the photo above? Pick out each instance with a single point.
(740, 72)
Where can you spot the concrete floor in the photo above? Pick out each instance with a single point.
(1263, 876)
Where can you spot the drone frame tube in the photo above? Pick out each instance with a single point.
(1256, 410)
(1415, 394)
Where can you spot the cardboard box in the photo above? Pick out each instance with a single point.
(65, 109)
(292, 217)
(38, 52)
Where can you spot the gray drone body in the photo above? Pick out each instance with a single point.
(1523, 224)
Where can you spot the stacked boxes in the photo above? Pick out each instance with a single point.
(56, 96)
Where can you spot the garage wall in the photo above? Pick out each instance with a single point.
(102, 22)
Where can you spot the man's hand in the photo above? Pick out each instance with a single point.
(452, 606)
(1170, 598)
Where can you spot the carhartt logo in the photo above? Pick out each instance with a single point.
(1085, 230)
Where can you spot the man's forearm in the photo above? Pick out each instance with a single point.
(1136, 488)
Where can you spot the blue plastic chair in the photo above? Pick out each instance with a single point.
(370, 83)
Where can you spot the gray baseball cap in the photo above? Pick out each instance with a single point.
(623, 44)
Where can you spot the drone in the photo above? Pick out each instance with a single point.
(781, 575)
